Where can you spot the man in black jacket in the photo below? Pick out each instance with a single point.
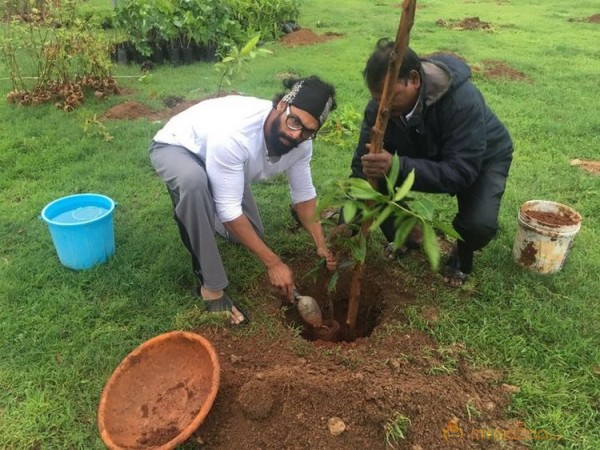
(441, 127)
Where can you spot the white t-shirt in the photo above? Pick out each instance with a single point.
(227, 134)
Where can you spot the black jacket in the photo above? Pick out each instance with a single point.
(451, 135)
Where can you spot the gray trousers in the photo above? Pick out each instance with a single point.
(194, 210)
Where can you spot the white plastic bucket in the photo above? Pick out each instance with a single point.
(545, 235)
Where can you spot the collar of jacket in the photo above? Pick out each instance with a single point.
(435, 82)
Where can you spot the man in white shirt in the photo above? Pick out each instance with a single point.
(210, 153)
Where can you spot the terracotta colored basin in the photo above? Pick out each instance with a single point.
(160, 393)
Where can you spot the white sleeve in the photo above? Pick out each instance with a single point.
(225, 159)
(300, 179)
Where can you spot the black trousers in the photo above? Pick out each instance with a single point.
(477, 217)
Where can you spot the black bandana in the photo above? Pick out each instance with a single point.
(312, 96)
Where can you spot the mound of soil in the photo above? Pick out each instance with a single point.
(305, 36)
(132, 110)
(589, 166)
(499, 69)
(129, 110)
(469, 23)
(595, 18)
(279, 390)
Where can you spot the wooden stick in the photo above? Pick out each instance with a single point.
(383, 114)
(400, 46)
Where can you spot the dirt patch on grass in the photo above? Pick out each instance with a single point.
(467, 24)
(498, 69)
(132, 110)
(279, 390)
(595, 18)
(306, 36)
(589, 166)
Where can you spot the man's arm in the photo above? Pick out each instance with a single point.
(280, 274)
(306, 213)
(463, 143)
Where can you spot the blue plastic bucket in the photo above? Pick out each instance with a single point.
(82, 229)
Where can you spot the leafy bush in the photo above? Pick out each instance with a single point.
(152, 24)
(264, 17)
(56, 56)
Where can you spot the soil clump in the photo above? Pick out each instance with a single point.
(305, 36)
(499, 69)
(467, 24)
(552, 219)
(592, 167)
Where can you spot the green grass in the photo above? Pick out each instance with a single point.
(64, 332)
(395, 430)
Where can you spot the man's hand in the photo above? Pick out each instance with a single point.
(376, 165)
(282, 277)
(330, 258)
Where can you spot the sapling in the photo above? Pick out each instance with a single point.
(233, 63)
(365, 208)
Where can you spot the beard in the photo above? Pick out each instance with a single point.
(277, 142)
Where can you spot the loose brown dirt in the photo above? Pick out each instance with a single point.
(591, 19)
(594, 19)
(589, 166)
(132, 110)
(499, 69)
(305, 36)
(552, 219)
(280, 391)
(467, 24)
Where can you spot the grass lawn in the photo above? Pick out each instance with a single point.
(63, 332)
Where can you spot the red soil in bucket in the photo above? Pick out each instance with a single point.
(160, 393)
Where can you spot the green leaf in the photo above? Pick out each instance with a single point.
(403, 230)
(314, 272)
(381, 217)
(446, 229)
(430, 246)
(424, 208)
(359, 248)
(363, 194)
(349, 211)
(393, 174)
(250, 45)
(406, 186)
(358, 183)
(333, 282)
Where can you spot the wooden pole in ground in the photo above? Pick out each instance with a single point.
(383, 114)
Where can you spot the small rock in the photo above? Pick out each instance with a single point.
(336, 426)
(259, 376)
(416, 447)
(511, 388)
(236, 359)
(359, 377)
(256, 400)
(394, 364)
(489, 406)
